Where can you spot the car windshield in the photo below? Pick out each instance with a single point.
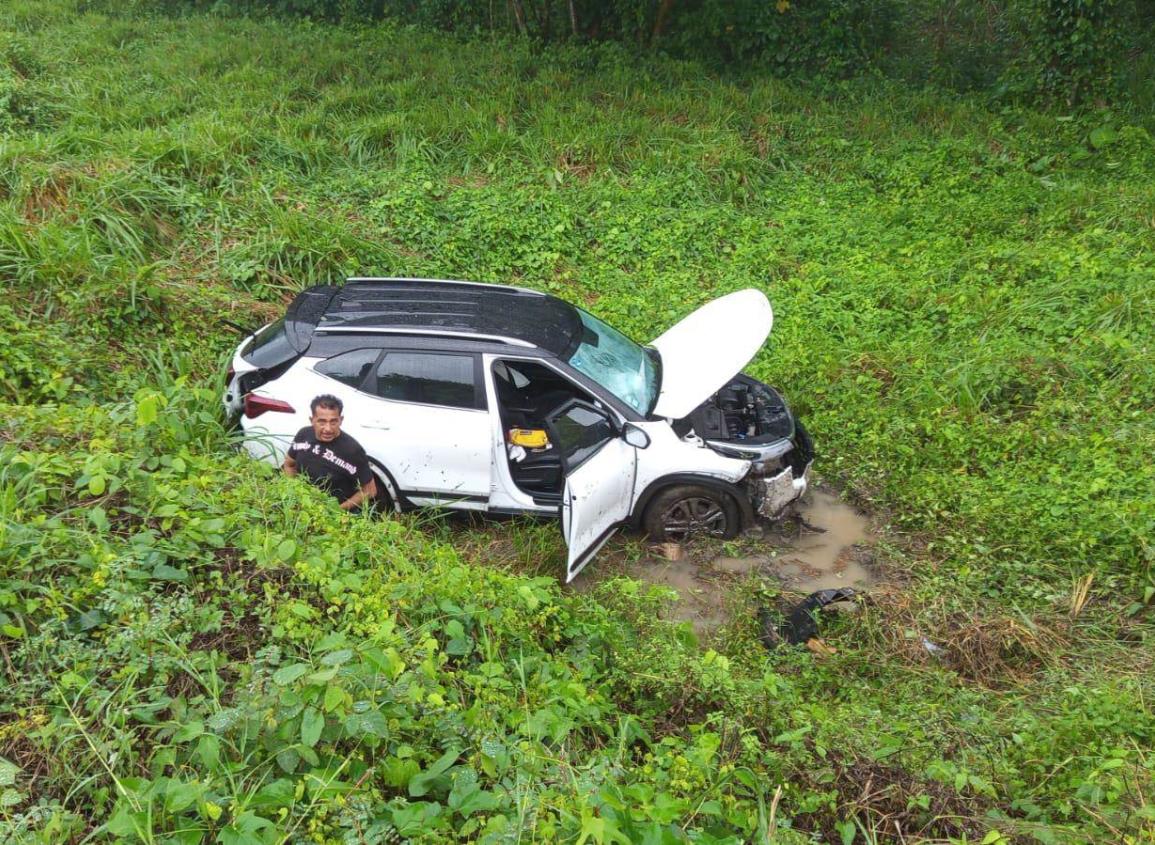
(616, 363)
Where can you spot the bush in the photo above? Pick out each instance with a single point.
(1055, 51)
(1073, 48)
(833, 36)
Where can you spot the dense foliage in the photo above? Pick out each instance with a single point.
(1064, 52)
(196, 649)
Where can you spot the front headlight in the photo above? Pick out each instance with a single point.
(768, 455)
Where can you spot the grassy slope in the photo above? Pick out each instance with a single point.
(963, 312)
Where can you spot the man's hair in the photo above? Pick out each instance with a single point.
(326, 400)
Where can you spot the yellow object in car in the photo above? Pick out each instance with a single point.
(529, 438)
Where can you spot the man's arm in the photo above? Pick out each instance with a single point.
(289, 466)
(366, 480)
(366, 491)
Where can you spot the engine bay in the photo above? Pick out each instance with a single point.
(744, 411)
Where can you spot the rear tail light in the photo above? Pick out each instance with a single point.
(256, 405)
(230, 374)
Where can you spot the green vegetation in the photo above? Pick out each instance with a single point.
(196, 649)
(1067, 51)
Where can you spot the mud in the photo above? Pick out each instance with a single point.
(828, 550)
(701, 593)
(827, 543)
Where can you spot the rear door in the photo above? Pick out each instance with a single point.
(600, 468)
(426, 414)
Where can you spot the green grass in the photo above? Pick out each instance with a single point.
(963, 301)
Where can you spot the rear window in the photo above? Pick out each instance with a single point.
(432, 379)
(270, 346)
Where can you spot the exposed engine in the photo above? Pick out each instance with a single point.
(744, 410)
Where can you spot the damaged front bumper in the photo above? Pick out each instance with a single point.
(774, 484)
(778, 491)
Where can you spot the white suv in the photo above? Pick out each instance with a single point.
(507, 400)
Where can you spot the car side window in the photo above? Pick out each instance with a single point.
(350, 368)
(431, 378)
(580, 429)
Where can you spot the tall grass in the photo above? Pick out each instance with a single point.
(963, 307)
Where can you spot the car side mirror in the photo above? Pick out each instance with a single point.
(635, 436)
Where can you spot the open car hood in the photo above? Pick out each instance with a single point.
(707, 348)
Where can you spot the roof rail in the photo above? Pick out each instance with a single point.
(509, 341)
(356, 279)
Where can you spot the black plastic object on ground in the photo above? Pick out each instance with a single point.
(801, 625)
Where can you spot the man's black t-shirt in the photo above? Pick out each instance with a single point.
(339, 466)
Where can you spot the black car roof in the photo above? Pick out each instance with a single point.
(441, 307)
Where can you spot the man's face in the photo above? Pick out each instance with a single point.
(326, 424)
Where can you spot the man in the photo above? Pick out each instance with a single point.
(329, 458)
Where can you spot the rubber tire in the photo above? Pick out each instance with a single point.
(653, 522)
(383, 504)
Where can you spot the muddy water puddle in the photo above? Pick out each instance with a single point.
(827, 544)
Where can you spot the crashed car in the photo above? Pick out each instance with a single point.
(507, 400)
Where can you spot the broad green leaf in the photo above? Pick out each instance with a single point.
(189, 731)
(98, 516)
(223, 720)
(459, 647)
(308, 755)
(420, 784)
(287, 674)
(710, 808)
(312, 723)
(8, 772)
(467, 798)
(288, 760)
(180, 795)
(388, 661)
(324, 676)
(1103, 136)
(147, 409)
(794, 735)
(885, 751)
(209, 750)
(164, 572)
(414, 818)
(336, 658)
(279, 793)
(125, 822)
(245, 830)
(396, 772)
(370, 723)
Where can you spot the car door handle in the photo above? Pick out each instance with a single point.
(377, 427)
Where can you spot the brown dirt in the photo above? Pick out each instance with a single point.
(49, 199)
(16, 747)
(994, 651)
(886, 801)
(826, 543)
(573, 164)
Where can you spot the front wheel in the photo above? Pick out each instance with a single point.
(686, 511)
